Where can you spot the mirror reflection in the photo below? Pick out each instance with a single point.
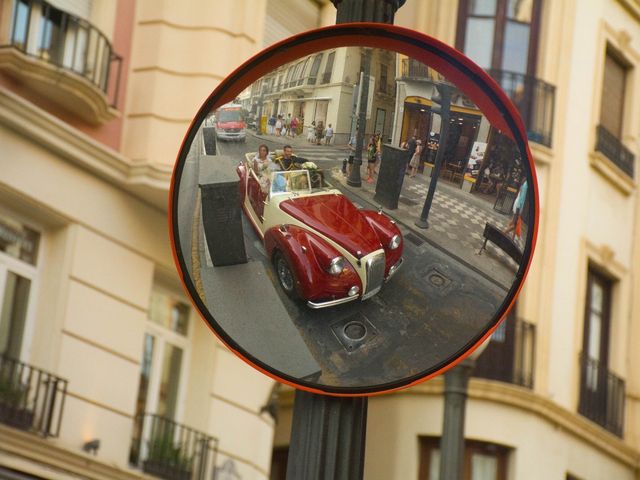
(352, 219)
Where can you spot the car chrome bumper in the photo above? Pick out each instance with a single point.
(394, 269)
(331, 303)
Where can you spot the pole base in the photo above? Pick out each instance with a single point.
(424, 224)
(354, 183)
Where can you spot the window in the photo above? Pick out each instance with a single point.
(163, 361)
(315, 68)
(482, 461)
(613, 93)
(610, 130)
(18, 255)
(383, 88)
(596, 323)
(602, 393)
(499, 34)
(328, 68)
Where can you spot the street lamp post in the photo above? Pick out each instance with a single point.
(456, 383)
(328, 433)
(444, 109)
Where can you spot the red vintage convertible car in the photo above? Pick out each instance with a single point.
(324, 249)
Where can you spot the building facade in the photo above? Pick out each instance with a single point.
(106, 369)
(555, 395)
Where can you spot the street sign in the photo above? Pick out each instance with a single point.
(338, 294)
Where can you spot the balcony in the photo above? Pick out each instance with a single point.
(30, 399)
(602, 395)
(612, 148)
(63, 58)
(510, 355)
(169, 450)
(411, 69)
(534, 100)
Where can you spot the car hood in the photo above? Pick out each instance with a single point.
(335, 217)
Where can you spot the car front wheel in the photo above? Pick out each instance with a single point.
(285, 274)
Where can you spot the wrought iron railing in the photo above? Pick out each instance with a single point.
(510, 355)
(535, 100)
(169, 450)
(602, 395)
(413, 69)
(41, 30)
(614, 150)
(31, 399)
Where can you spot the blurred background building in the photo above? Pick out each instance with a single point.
(111, 359)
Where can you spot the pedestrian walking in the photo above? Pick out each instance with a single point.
(371, 159)
(319, 132)
(311, 133)
(294, 127)
(287, 125)
(271, 124)
(414, 163)
(278, 126)
(329, 135)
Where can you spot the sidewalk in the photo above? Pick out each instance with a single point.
(456, 223)
(300, 141)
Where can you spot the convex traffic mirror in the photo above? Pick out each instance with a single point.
(354, 209)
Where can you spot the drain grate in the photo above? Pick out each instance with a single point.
(354, 331)
(413, 238)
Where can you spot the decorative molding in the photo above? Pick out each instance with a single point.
(632, 6)
(60, 85)
(160, 117)
(177, 73)
(604, 256)
(50, 132)
(542, 155)
(610, 172)
(527, 401)
(46, 455)
(205, 28)
(94, 344)
(84, 399)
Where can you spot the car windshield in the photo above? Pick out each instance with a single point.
(293, 181)
(230, 115)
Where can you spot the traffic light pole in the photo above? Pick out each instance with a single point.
(444, 100)
(328, 433)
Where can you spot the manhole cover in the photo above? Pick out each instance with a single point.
(355, 330)
(440, 281)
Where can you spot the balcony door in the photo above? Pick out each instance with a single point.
(595, 342)
(18, 277)
(163, 367)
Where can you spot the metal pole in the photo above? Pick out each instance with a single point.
(327, 437)
(355, 179)
(328, 433)
(456, 382)
(445, 105)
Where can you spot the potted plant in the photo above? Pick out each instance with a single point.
(13, 396)
(166, 459)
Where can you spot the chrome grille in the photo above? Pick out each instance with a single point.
(375, 275)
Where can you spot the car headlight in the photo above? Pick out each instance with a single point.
(394, 242)
(337, 265)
